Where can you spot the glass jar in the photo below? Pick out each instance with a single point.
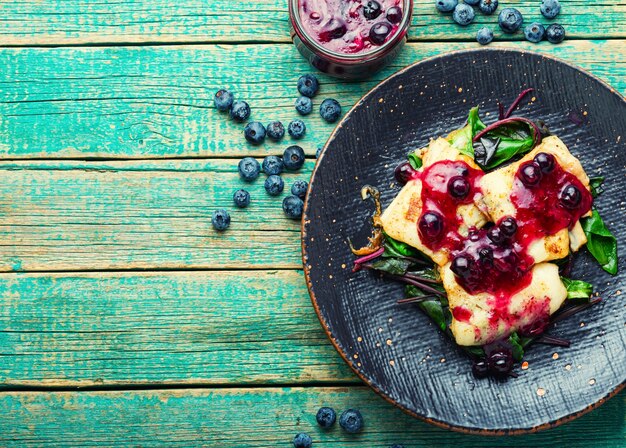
(327, 51)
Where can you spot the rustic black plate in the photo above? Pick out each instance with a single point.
(394, 348)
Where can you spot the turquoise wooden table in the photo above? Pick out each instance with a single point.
(125, 320)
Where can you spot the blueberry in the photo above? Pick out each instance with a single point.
(394, 14)
(299, 188)
(555, 33)
(534, 32)
(330, 110)
(379, 32)
(508, 226)
(510, 20)
(446, 5)
(500, 362)
(296, 129)
(458, 187)
(272, 165)
(254, 132)
(275, 130)
(471, 2)
(570, 196)
(293, 158)
(304, 105)
(404, 173)
(480, 368)
(495, 235)
(241, 198)
(485, 255)
(249, 169)
(302, 440)
(308, 85)
(274, 185)
(326, 417)
(530, 174)
(462, 266)
(372, 9)
(223, 100)
(430, 225)
(318, 152)
(550, 8)
(545, 162)
(351, 420)
(463, 14)
(293, 206)
(484, 35)
(220, 220)
(488, 6)
(335, 28)
(240, 111)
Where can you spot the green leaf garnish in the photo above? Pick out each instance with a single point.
(414, 161)
(595, 183)
(601, 242)
(461, 139)
(577, 289)
(516, 346)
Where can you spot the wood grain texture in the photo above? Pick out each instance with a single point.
(156, 102)
(78, 22)
(256, 418)
(128, 329)
(140, 215)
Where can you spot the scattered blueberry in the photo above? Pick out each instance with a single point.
(308, 85)
(534, 32)
(254, 132)
(394, 14)
(351, 420)
(404, 173)
(318, 152)
(293, 158)
(480, 368)
(296, 129)
(510, 20)
(249, 169)
(241, 198)
(471, 2)
(240, 111)
(446, 5)
(330, 110)
(379, 32)
(326, 417)
(484, 35)
(463, 14)
(302, 440)
(220, 220)
(274, 185)
(275, 130)
(488, 6)
(304, 105)
(299, 187)
(372, 9)
(500, 362)
(223, 100)
(293, 206)
(272, 165)
(550, 8)
(555, 33)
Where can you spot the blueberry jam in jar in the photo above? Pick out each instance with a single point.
(350, 39)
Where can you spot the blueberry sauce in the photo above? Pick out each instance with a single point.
(350, 26)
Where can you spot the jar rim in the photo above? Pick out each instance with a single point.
(298, 27)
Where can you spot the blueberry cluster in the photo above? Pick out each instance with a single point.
(510, 20)
(273, 166)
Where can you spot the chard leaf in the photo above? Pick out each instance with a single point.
(577, 289)
(395, 266)
(395, 248)
(601, 242)
(517, 348)
(432, 308)
(478, 352)
(461, 139)
(414, 161)
(596, 186)
(499, 145)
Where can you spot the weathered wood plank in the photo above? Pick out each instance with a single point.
(256, 418)
(31, 22)
(140, 215)
(125, 329)
(148, 102)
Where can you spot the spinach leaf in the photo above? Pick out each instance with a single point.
(577, 289)
(516, 346)
(475, 351)
(511, 138)
(395, 266)
(432, 308)
(461, 139)
(600, 242)
(395, 248)
(414, 161)
(596, 186)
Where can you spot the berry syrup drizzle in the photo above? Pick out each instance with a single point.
(351, 26)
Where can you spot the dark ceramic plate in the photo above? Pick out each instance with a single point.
(394, 348)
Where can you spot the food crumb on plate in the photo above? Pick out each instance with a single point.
(555, 356)
(592, 381)
(568, 367)
(541, 392)
(525, 365)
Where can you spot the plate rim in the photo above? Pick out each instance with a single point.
(305, 222)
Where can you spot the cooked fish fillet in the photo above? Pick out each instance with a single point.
(497, 185)
(400, 218)
(490, 317)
